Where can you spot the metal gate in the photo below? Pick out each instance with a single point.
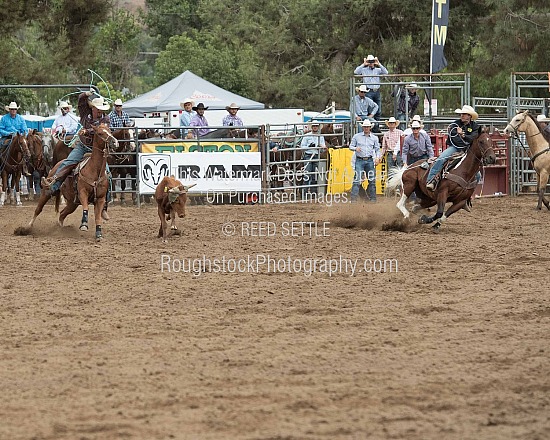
(523, 178)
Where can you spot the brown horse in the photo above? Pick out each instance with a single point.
(457, 186)
(12, 160)
(62, 147)
(38, 166)
(91, 185)
(539, 148)
(123, 160)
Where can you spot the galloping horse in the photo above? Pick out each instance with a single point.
(124, 162)
(456, 187)
(91, 185)
(12, 159)
(539, 148)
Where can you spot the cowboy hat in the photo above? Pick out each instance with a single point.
(312, 123)
(65, 104)
(200, 106)
(187, 101)
(370, 57)
(232, 105)
(416, 124)
(468, 110)
(363, 88)
(366, 123)
(412, 86)
(100, 104)
(118, 102)
(392, 120)
(13, 106)
(416, 118)
(542, 118)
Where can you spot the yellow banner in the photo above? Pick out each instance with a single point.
(340, 175)
(202, 147)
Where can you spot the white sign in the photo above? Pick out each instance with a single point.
(427, 107)
(211, 172)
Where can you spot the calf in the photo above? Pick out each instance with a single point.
(171, 197)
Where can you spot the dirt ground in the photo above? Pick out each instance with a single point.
(101, 341)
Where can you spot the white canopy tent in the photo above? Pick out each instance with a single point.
(168, 96)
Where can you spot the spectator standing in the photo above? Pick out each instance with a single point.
(391, 143)
(407, 99)
(417, 146)
(371, 66)
(367, 156)
(313, 144)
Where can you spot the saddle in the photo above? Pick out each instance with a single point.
(450, 164)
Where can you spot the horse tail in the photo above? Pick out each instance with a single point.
(57, 200)
(395, 176)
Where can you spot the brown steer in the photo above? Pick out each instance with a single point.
(171, 196)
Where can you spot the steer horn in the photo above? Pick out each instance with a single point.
(189, 186)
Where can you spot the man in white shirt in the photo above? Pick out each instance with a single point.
(65, 124)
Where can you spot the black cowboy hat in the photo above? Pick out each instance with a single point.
(200, 106)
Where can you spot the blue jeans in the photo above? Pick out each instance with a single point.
(310, 173)
(390, 163)
(375, 96)
(438, 164)
(364, 168)
(74, 157)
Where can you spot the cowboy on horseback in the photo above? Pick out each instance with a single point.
(92, 110)
(462, 133)
(11, 124)
(65, 124)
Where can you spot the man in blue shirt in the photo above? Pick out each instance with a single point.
(363, 107)
(186, 115)
(367, 156)
(118, 118)
(371, 66)
(313, 144)
(232, 120)
(11, 124)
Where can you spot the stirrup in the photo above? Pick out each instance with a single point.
(431, 185)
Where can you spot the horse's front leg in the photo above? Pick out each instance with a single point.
(98, 208)
(83, 197)
(542, 182)
(441, 200)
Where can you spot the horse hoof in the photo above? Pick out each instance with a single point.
(84, 227)
(436, 227)
(98, 238)
(423, 220)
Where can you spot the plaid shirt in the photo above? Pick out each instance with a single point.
(392, 141)
(119, 121)
(230, 120)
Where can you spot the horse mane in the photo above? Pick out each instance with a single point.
(544, 133)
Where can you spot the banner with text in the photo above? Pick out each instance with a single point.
(212, 173)
(193, 146)
(440, 23)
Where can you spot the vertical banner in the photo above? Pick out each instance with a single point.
(440, 23)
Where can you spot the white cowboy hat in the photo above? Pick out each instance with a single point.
(187, 101)
(392, 120)
(542, 118)
(412, 86)
(232, 105)
(370, 57)
(13, 106)
(65, 104)
(312, 123)
(416, 124)
(366, 123)
(100, 104)
(363, 88)
(416, 118)
(469, 110)
(118, 102)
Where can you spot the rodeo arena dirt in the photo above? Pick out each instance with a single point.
(278, 321)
